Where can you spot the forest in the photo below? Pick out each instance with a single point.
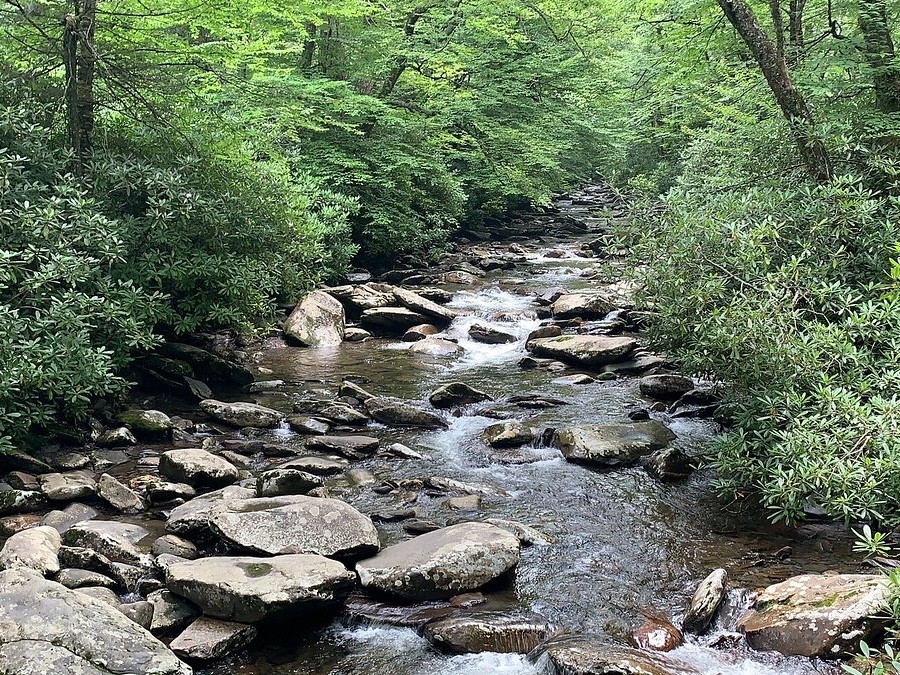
(174, 168)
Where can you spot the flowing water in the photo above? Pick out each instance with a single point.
(622, 544)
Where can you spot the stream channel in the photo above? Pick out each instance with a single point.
(621, 543)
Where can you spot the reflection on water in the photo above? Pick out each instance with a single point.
(622, 542)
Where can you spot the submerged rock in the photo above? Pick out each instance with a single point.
(584, 350)
(241, 414)
(705, 602)
(669, 464)
(47, 628)
(474, 632)
(296, 524)
(442, 563)
(812, 615)
(248, 590)
(456, 393)
(611, 445)
(435, 346)
(318, 321)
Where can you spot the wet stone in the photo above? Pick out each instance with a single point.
(74, 577)
(67, 487)
(211, 639)
(119, 542)
(278, 482)
(352, 447)
(472, 632)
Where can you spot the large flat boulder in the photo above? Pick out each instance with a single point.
(249, 590)
(815, 615)
(612, 445)
(318, 321)
(591, 351)
(47, 628)
(118, 542)
(296, 524)
(442, 563)
(210, 639)
(352, 447)
(241, 414)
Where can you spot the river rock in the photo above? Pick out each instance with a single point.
(486, 631)
(119, 542)
(197, 467)
(296, 524)
(657, 635)
(391, 320)
(318, 321)
(665, 386)
(488, 335)
(459, 277)
(669, 464)
(420, 332)
(435, 346)
(640, 363)
(47, 628)
(318, 466)
(241, 414)
(352, 447)
(140, 612)
(584, 350)
(35, 548)
(705, 602)
(74, 577)
(353, 390)
(442, 563)
(171, 612)
(354, 334)
(587, 655)
(365, 296)
(308, 425)
(192, 518)
(147, 424)
(163, 492)
(420, 305)
(119, 496)
(612, 445)
(172, 544)
(333, 411)
(117, 438)
(211, 639)
(279, 482)
(248, 590)
(510, 434)
(824, 616)
(528, 536)
(456, 393)
(66, 487)
(583, 305)
(403, 413)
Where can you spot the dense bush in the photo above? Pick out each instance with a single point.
(786, 294)
(91, 271)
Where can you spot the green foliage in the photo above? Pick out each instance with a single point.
(883, 662)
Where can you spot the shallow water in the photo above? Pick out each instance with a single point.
(622, 543)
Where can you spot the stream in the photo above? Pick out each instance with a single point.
(621, 543)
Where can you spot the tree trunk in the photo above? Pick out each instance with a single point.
(774, 68)
(309, 47)
(402, 61)
(879, 51)
(79, 59)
